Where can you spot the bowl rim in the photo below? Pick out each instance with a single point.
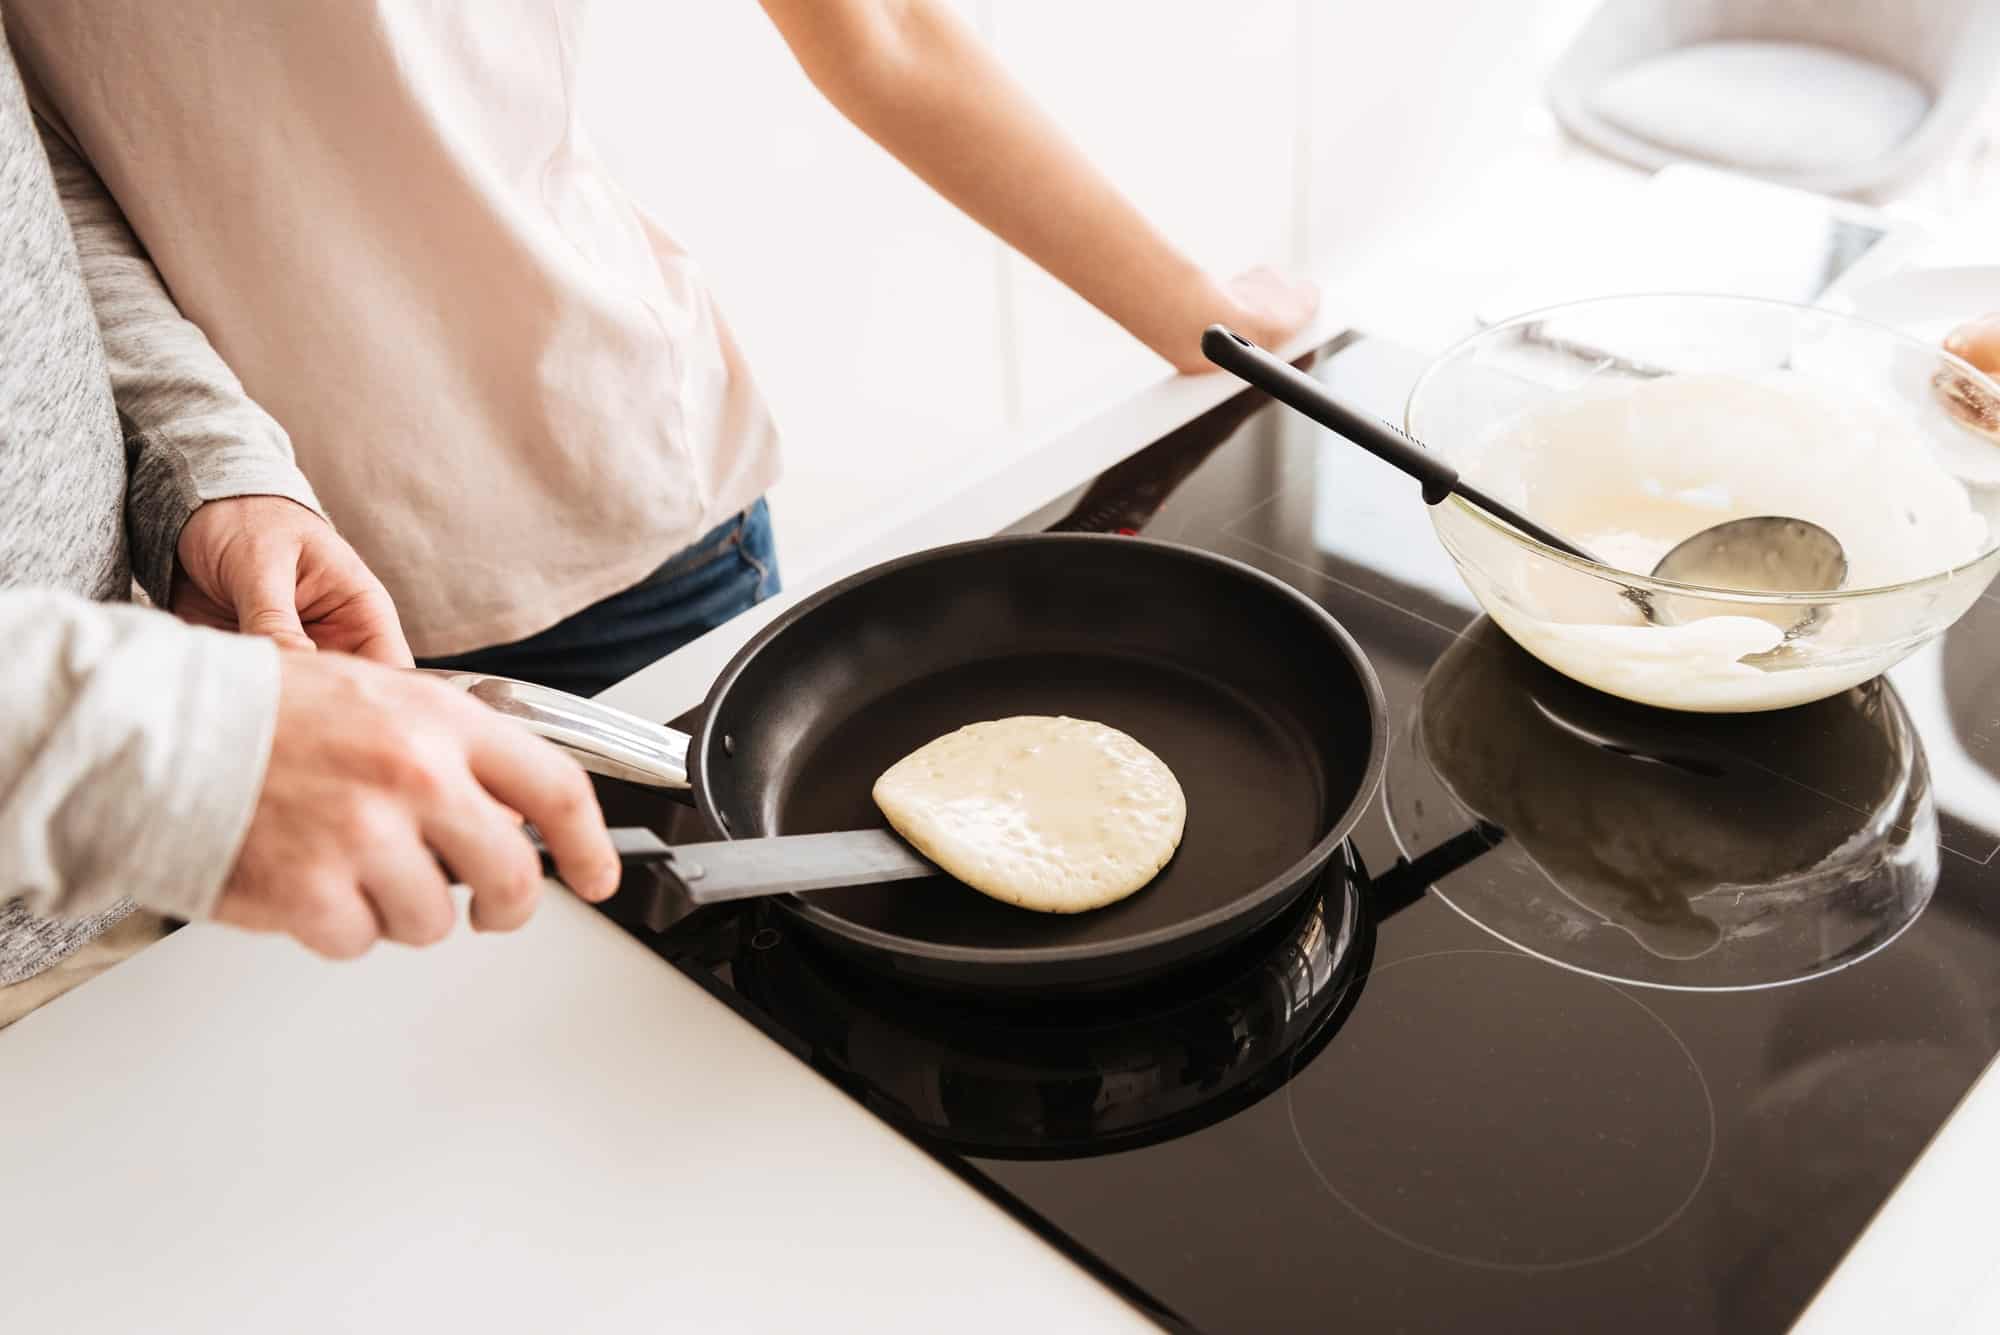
(1651, 583)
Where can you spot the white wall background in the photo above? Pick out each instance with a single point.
(896, 340)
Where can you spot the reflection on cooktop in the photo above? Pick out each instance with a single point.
(1084, 1077)
(1969, 678)
(1476, 1158)
(1694, 851)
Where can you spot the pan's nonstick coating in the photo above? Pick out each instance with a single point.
(1260, 704)
(1255, 794)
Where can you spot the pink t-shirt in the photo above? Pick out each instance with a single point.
(509, 387)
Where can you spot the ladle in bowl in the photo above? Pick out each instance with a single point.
(1757, 554)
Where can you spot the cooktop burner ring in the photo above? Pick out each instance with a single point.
(1655, 1127)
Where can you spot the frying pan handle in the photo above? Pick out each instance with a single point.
(602, 739)
(1406, 882)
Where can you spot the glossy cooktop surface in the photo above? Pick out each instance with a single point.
(1686, 998)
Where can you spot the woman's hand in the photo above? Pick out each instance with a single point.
(1262, 304)
(1978, 341)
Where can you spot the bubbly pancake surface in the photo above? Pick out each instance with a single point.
(1060, 815)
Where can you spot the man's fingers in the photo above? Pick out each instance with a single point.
(380, 637)
(329, 916)
(409, 892)
(550, 791)
(266, 601)
(351, 610)
(489, 853)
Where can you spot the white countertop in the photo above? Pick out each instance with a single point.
(556, 1130)
(541, 1132)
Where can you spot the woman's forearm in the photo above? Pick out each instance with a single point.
(912, 77)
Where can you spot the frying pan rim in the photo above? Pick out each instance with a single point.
(1299, 871)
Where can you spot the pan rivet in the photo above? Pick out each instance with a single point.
(765, 939)
(728, 744)
(691, 871)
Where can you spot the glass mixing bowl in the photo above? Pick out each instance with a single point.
(1601, 371)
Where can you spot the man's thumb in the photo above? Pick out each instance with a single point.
(267, 604)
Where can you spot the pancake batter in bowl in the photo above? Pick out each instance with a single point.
(1631, 470)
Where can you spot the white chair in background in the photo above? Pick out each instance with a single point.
(1843, 97)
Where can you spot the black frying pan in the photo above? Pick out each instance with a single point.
(1263, 707)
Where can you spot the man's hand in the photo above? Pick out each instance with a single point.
(267, 566)
(376, 777)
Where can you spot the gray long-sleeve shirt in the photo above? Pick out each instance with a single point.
(132, 747)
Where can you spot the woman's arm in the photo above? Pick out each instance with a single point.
(914, 79)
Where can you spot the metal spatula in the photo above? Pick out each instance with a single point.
(789, 864)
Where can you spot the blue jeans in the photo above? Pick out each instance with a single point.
(730, 570)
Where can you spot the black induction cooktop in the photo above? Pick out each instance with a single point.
(1684, 999)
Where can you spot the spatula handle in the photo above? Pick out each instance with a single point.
(732, 869)
(792, 864)
(1295, 389)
